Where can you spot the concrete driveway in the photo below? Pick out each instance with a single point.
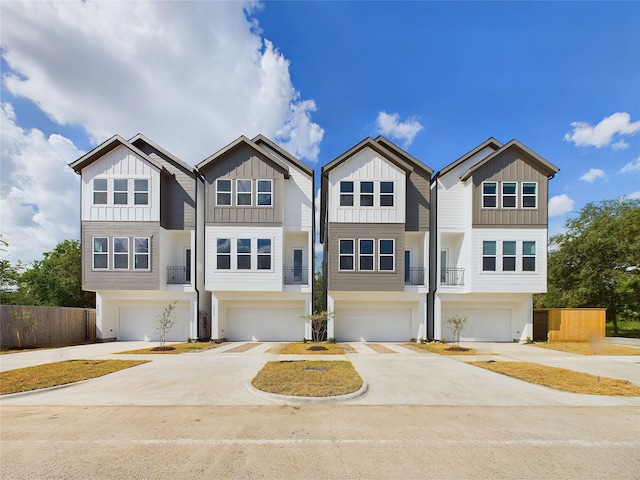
(400, 377)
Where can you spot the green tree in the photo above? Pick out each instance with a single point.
(596, 262)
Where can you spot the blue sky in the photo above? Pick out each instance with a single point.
(437, 78)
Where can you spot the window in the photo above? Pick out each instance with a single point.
(509, 256)
(265, 193)
(121, 253)
(346, 194)
(120, 191)
(529, 195)
(509, 194)
(141, 253)
(100, 253)
(99, 191)
(366, 194)
(223, 254)
(528, 256)
(243, 192)
(365, 255)
(223, 192)
(141, 192)
(489, 256)
(264, 254)
(243, 256)
(346, 255)
(386, 255)
(386, 194)
(489, 195)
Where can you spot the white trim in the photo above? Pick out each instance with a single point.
(148, 254)
(270, 192)
(352, 255)
(250, 192)
(113, 242)
(386, 255)
(510, 195)
(93, 254)
(230, 192)
(351, 194)
(535, 196)
(496, 195)
(392, 194)
(372, 254)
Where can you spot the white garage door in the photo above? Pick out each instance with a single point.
(372, 325)
(482, 325)
(265, 324)
(139, 323)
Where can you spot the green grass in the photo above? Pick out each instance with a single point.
(626, 328)
(177, 348)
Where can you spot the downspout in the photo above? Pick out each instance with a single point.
(313, 241)
(433, 256)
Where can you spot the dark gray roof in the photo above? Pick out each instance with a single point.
(105, 147)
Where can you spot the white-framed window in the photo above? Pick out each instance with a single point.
(529, 195)
(243, 254)
(386, 194)
(346, 254)
(121, 253)
(243, 193)
(528, 256)
(365, 254)
(223, 192)
(346, 194)
(509, 256)
(509, 194)
(366, 194)
(265, 193)
(223, 254)
(120, 191)
(386, 255)
(100, 253)
(489, 195)
(141, 191)
(141, 253)
(489, 256)
(99, 191)
(264, 253)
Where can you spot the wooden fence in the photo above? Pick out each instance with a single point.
(569, 324)
(54, 326)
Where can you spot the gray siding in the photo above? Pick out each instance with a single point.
(243, 163)
(365, 281)
(510, 166)
(93, 280)
(418, 206)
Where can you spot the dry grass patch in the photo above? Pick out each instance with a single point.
(308, 378)
(60, 373)
(176, 348)
(347, 348)
(441, 348)
(589, 348)
(242, 348)
(311, 349)
(562, 379)
(376, 347)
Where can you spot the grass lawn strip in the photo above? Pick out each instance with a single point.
(59, 373)
(308, 378)
(311, 349)
(347, 348)
(376, 347)
(441, 348)
(177, 348)
(242, 348)
(562, 379)
(588, 348)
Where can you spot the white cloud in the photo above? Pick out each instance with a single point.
(634, 195)
(620, 145)
(592, 175)
(559, 205)
(601, 135)
(40, 195)
(389, 124)
(631, 166)
(192, 76)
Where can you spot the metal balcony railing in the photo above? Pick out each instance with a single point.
(296, 275)
(452, 276)
(178, 275)
(414, 275)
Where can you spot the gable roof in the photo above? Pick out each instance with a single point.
(490, 142)
(267, 145)
(135, 140)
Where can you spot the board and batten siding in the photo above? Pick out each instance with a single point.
(96, 280)
(365, 281)
(418, 202)
(120, 163)
(298, 200)
(243, 163)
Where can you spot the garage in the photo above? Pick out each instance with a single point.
(139, 323)
(265, 324)
(483, 325)
(372, 325)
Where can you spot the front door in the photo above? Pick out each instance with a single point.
(297, 266)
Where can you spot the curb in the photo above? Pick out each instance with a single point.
(306, 400)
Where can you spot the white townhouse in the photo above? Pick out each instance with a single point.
(489, 211)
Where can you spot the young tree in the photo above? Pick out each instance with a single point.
(165, 321)
(319, 322)
(456, 324)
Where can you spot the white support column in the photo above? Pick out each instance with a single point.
(437, 318)
(193, 328)
(331, 321)
(99, 314)
(215, 316)
(422, 332)
(308, 308)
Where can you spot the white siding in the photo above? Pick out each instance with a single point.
(298, 200)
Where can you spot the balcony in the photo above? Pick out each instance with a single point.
(178, 275)
(414, 276)
(452, 276)
(296, 276)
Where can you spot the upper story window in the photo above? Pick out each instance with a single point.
(223, 251)
(346, 254)
(366, 194)
(509, 256)
(100, 253)
(264, 254)
(386, 254)
(243, 193)
(141, 191)
(489, 256)
(265, 193)
(121, 253)
(243, 256)
(99, 191)
(386, 194)
(489, 195)
(120, 191)
(365, 255)
(141, 253)
(528, 256)
(529, 195)
(223, 192)
(346, 194)
(509, 194)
